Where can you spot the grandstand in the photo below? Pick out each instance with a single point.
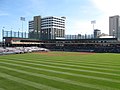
(79, 45)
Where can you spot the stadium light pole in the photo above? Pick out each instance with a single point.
(2, 44)
(22, 19)
(1, 37)
(93, 23)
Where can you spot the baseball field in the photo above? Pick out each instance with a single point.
(60, 71)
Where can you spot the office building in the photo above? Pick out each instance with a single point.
(47, 28)
(53, 28)
(35, 28)
(114, 26)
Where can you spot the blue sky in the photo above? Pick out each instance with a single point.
(78, 13)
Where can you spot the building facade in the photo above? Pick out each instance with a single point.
(53, 28)
(97, 33)
(114, 26)
(47, 28)
(35, 28)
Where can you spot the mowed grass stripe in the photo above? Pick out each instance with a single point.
(69, 69)
(26, 82)
(111, 63)
(87, 63)
(44, 69)
(101, 87)
(92, 71)
(81, 57)
(97, 61)
(51, 78)
(103, 67)
(93, 65)
(102, 82)
(80, 75)
(75, 61)
(2, 88)
(77, 67)
(80, 62)
(7, 84)
(44, 81)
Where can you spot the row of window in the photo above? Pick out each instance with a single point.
(53, 21)
(51, 18)
(31, 24)
(56, 32)
(52, 26)
(48, 23)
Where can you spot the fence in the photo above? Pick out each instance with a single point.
(14, 34)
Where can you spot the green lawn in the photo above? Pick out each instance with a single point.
(60, 71)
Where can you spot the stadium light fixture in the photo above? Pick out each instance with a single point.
(93, 23)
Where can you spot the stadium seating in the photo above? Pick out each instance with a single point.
(20, 50)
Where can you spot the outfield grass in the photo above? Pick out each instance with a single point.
(60, 71)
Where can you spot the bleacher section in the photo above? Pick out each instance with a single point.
(20, 50)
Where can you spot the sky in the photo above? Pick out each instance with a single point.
(78, 13)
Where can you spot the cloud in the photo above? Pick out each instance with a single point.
(77, 26)
(108, 8)
(3, 13)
